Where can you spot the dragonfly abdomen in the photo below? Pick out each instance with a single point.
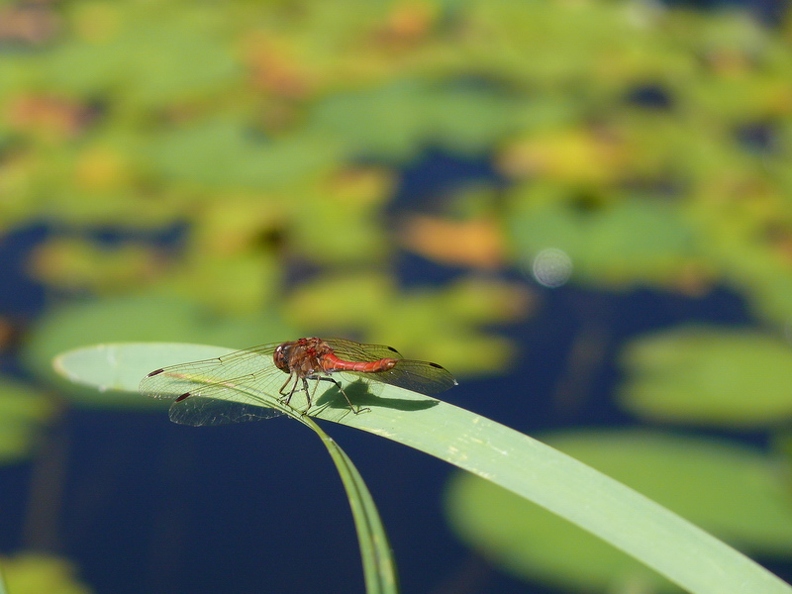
(330, 362)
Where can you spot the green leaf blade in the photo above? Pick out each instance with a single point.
(675, 548)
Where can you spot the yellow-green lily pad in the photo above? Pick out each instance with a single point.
(34, 573)
(709, 376)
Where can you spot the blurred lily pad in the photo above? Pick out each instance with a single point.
(35, 573)
(477, 243)
(138, 319)
(394, 121)
(619, 244)
(76, 264)
(446, 324)
(23, 411)
(154, 56)
(736, 493)
(709, 376)
(224, 151)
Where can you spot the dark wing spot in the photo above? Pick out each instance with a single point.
(155, 372)
(392, 350)
(182, 397)
(436, 365)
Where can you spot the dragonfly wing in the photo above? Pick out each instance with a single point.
(202, 388)
(200, 412)
(349, 350)
(197, 376)
(419, 376)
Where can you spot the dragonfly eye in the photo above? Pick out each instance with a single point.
(281, 358)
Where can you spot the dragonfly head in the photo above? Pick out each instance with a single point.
(281, 357)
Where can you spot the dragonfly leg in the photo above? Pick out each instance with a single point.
(286, 393)
(352, 407)
(307, 394)
(282, 390)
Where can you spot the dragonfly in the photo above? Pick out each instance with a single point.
(200, 390)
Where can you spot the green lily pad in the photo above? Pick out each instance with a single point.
(224, 152)
(152, 56)
(709, 376)
(23, 411)
(623, 244)
(736, 493)
(396, 121)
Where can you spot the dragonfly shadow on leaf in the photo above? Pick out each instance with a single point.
(359, 392)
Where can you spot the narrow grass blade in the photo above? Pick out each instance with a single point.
(378, 565)
(675, 548)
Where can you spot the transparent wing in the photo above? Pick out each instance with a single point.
(198, 412)
(419, 376)
(202, 388)
(350, 350)
(197, 377)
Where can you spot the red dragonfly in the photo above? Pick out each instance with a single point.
(200, 389)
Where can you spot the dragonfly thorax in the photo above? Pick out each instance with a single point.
(302, 357)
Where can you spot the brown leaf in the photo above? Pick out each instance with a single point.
(476, 243)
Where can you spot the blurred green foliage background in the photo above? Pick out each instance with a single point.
(231, 173)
